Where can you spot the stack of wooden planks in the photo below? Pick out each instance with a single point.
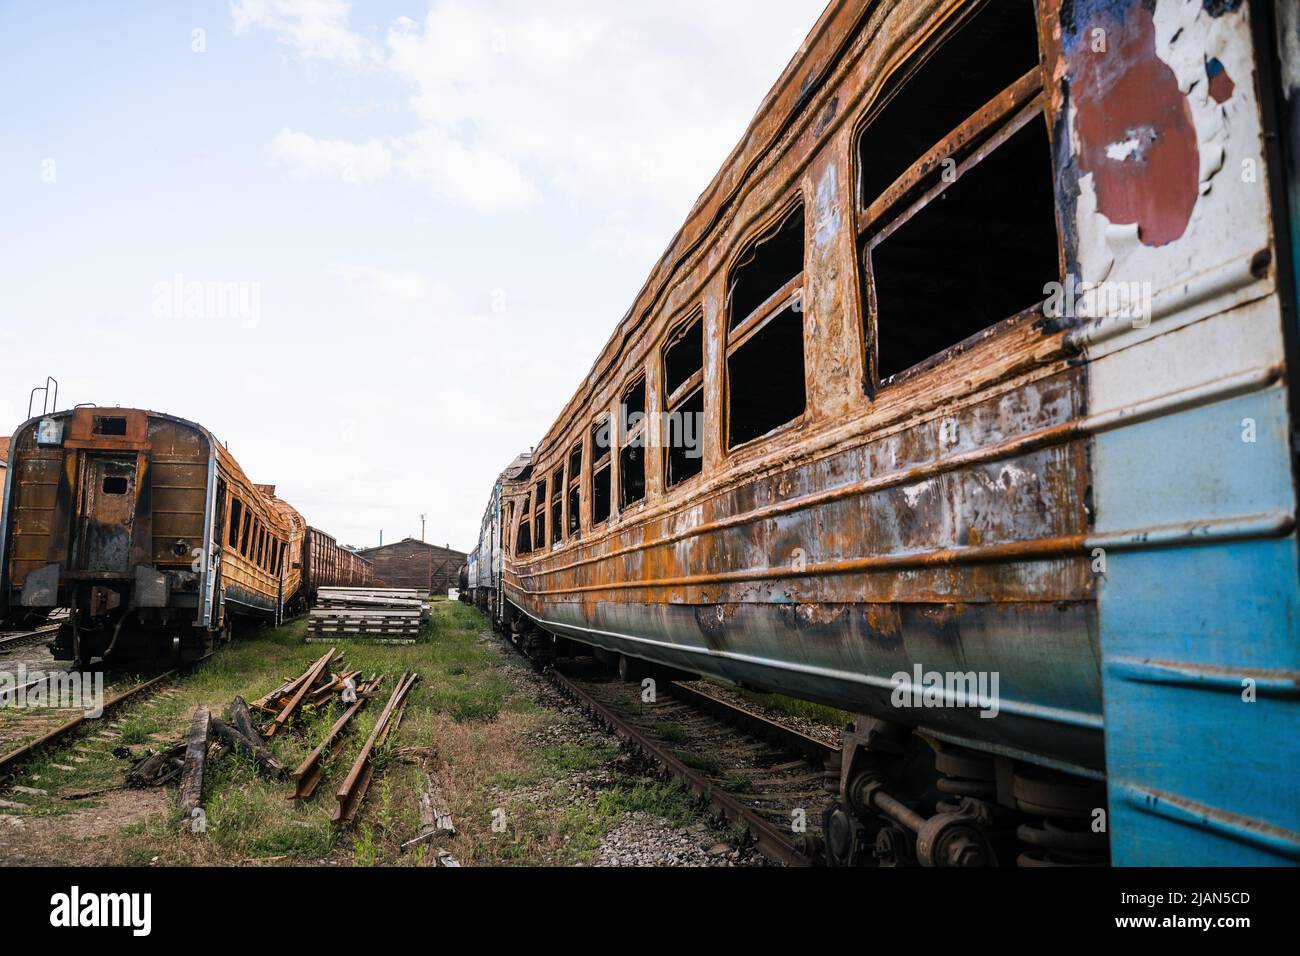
(392, 614)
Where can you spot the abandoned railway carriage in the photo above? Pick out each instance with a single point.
(964, 401)
(147, 528)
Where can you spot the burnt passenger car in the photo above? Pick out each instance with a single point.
(976, 361)
(147, 529)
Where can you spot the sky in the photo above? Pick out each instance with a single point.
(374, 247)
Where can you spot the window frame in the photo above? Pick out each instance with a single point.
(975, 139)
(791, 294)
(605, 461)
(556, 493)
(627, 435)
(540, 504)
(683, 393)
(573, 485)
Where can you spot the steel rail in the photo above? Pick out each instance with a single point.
(816, 751)
(16, 757)
(8, 641)
(771, 841)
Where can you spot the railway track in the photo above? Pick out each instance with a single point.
(70, 728)
(18, 639)
(760, 776)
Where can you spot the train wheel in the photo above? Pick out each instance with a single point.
(631, 669)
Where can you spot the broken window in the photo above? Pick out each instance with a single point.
(236, 513)
(115, 485)
(765, 360)
(600, 469)
(539, 516)
(243, 539)
(509, 523)
(557, 504)
(575, 489)
(684, 386)
(957, 214)
(109, 425)
(631, 455)
(524, 537)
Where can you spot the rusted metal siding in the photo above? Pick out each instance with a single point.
(326, 564)
(943, 521)
(1012, 505)
(251, 586)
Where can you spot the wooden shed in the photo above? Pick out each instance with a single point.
(416, 564)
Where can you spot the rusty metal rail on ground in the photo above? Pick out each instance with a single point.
(23, 638)
(353, 791)
(775, 844)
(308, 774)
(12, 760)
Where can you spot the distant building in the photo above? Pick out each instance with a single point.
(416, 564)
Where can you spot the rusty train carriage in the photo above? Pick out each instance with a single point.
(914, 456)
(326, 564)
(146, 526)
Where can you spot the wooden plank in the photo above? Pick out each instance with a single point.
(266, 762)
(196, 752)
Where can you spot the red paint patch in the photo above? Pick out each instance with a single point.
(1221, 84)
(1134, 130)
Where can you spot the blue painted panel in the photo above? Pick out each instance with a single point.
(1195, 466)
(1197, 774)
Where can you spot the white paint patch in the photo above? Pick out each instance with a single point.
(1122, 152)
(913, 492)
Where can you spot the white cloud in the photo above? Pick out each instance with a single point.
(315, 29)
(628, 108)
(474, 176)
(311, 158)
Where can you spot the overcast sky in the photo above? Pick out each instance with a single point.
(432, 214)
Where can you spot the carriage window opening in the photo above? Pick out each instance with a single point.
(115, 485)
(575, 489)
(524, 539)
(766, 267)
(243, 539)
(109, 425)
(944, 254)
(684, 388)
(765, 354)
(539, 515)
(632, 441)
(557, 505)
(926, 100)
(685, 439)
(601, 497)
(236, 512)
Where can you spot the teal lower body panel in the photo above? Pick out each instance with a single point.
(1201, 642)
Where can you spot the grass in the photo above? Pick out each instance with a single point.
(499, 756)
(795, 707)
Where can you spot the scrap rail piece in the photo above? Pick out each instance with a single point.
(353, 791)
(307, 776)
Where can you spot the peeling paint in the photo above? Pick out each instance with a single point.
(1134, 127)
